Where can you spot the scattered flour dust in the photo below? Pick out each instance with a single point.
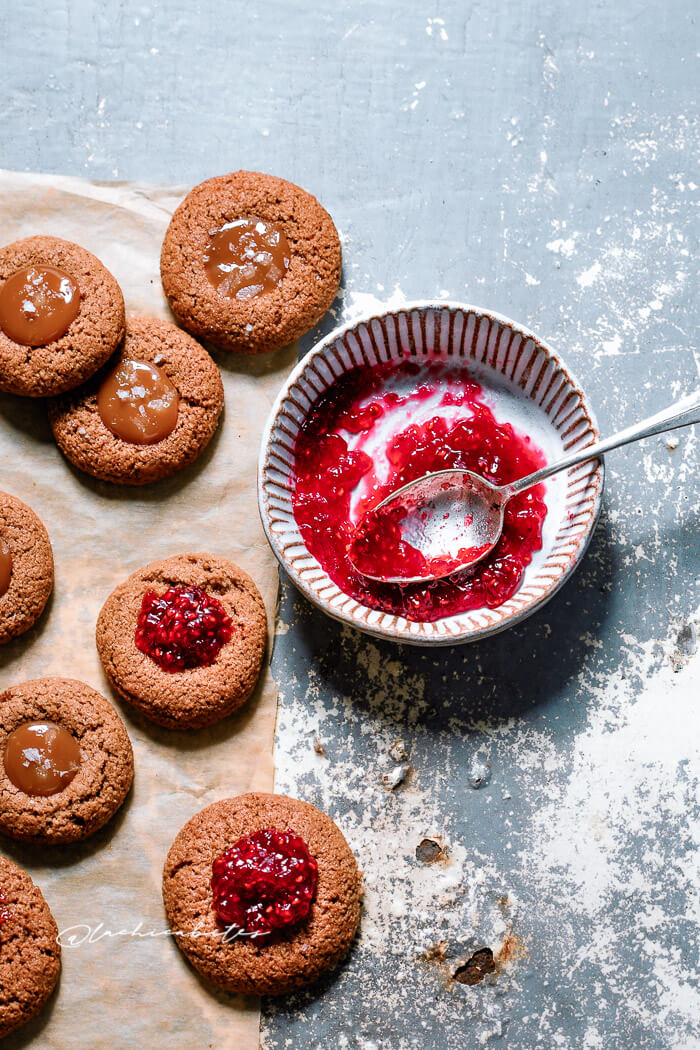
(594, 843)
(614, 767)
(365, 304)
(421, 920)
(588, 869)
(625, 281)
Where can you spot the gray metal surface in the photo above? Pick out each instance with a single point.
(538, 159)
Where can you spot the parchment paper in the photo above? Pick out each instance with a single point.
(127, 985)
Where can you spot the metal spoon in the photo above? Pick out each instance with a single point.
(457, 511)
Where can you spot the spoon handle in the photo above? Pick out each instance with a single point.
(682, 414)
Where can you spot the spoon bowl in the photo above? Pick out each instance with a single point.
(449, 520)
(453, 511)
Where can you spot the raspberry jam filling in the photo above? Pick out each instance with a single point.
(5, 914)
(183, 628)
(378, 428)
(379, 549)
(264, 882)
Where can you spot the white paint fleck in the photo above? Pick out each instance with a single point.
(586, 279)
(436, 27)
(565, 246)
(612, 346)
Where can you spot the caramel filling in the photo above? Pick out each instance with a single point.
(41, 758)
(37, 305)
(247, 258)
(138, 403)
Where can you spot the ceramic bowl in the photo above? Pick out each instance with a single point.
(526, 383)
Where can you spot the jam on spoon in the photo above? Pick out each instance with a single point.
(447, 521)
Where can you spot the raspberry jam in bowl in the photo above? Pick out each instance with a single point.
(381, 402)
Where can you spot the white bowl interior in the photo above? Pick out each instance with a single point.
(524, 382)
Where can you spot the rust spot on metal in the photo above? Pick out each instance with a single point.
(686, 647)
(436, 953)
(484, 962)
(475, 968)
(512, 948)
